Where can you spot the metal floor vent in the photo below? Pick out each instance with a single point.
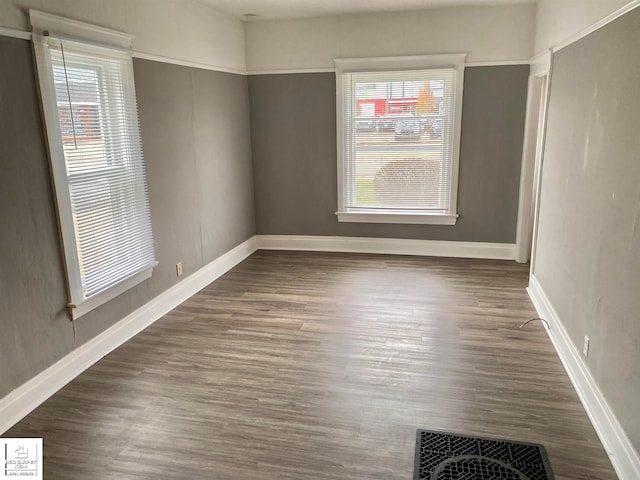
(449, 456)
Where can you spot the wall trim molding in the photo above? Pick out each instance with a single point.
(277, 71)
(24, 399)
(187, 63)
(597, 25)
(284, 71)
(540, 64)
(623, 456)
(390, 246)
(10, 32)
(594, 26)
(497, 63)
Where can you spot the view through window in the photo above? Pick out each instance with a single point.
(399, 142)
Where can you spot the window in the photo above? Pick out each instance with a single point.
(399, 138)
(91, 119)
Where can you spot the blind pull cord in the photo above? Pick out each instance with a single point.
(66, 81)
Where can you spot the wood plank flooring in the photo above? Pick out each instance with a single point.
(299, 365)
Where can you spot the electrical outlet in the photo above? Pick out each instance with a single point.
(179, 269)
(585, 346)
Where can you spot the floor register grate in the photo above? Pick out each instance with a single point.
(449, 456)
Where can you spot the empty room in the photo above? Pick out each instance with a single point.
(320, 239)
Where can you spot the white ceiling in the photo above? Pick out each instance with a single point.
(270, 9)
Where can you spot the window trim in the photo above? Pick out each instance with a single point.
(398, 217)
(401, 63)
(117, 43)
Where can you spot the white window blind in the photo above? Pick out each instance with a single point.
(92, 123)
(399, 133)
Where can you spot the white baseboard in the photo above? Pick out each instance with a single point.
(20, 402)
(624, 458)
(393, 246)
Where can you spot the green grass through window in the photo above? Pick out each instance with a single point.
(364, 192)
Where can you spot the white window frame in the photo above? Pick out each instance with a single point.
(42, 24)
(403, 63)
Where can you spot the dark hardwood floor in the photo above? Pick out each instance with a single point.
(299, 365)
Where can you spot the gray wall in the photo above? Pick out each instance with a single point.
(293, 127)
(34, 330)
(588, 254)
(195, 135)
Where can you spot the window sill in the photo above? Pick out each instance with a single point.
(399, 218)
(101, 298)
